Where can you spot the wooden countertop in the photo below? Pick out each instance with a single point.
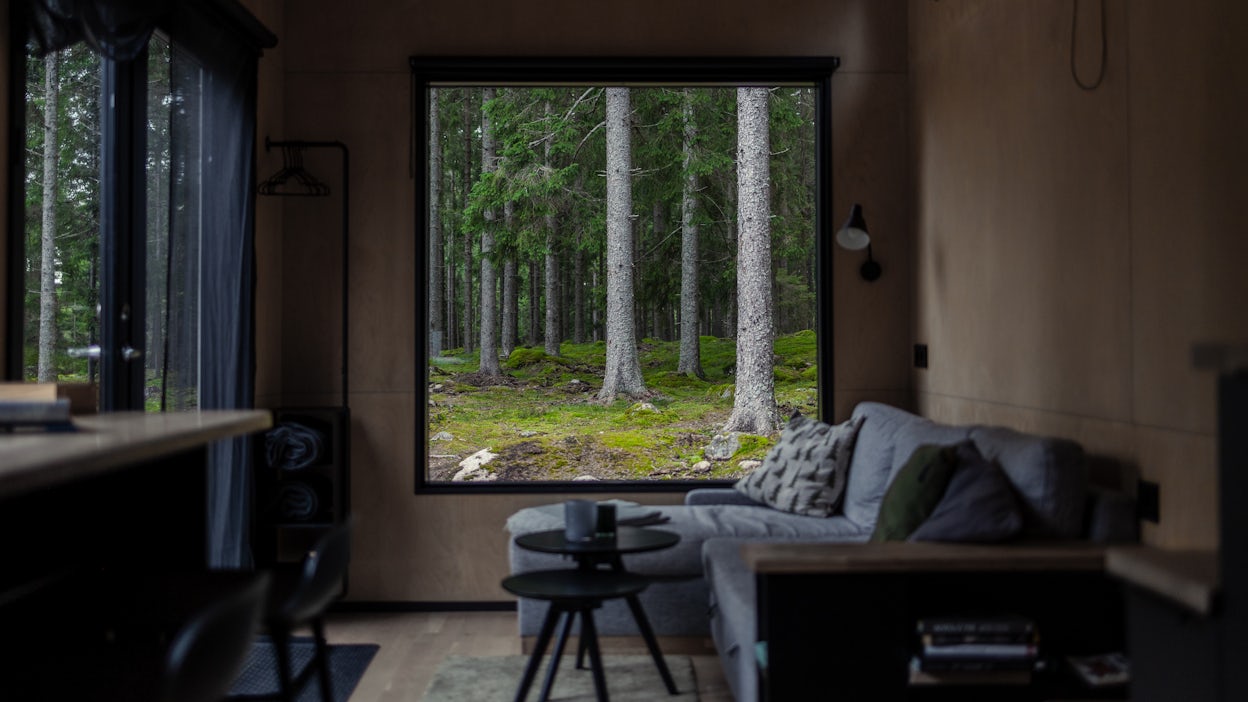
(32, 461)
(901, 556)
(1188, 578)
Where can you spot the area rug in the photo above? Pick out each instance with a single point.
(347, 663)
(489, 678)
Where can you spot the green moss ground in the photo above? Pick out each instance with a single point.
(546, 424)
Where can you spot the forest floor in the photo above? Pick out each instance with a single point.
(543, 422)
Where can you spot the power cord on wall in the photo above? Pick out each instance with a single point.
(1074, 26)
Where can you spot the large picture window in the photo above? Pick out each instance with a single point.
(623, 273)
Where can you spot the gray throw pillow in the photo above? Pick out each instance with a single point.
(978, 506)
(805, 472)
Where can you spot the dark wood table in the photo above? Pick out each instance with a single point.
(594, 558)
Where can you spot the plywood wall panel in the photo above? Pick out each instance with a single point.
(4, 183)
(377, 35)
(1188, 184)
(1021, 189)
(270, 118)
(370, 114)
(1072, 245)
(870, 167)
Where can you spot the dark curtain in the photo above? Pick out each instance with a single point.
(206, 337)
(115, 29)
(219, 139)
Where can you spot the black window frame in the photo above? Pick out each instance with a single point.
(439, 71)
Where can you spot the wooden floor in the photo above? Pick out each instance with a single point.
(413, 644)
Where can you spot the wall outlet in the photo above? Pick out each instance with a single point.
(1148, 501)
(920, 355)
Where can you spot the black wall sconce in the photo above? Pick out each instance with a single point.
(854, 237)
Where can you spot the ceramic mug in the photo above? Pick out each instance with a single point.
(580, 519)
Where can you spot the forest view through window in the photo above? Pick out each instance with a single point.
(622, 280)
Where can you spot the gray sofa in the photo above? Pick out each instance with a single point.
(702, 587)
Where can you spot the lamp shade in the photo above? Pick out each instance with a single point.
(853, 236)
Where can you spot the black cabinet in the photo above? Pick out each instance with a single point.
(302, 480)
(851, 631)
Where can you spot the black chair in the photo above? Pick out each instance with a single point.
(207, 653)
(140, 637)
(299, 597)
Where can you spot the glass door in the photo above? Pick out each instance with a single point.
(112, 225)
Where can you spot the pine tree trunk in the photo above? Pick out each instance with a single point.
(47, 259)
(534, 297)
(690, 341)
(578, 296)
(436, 265)
(489, 275)
(623, 370)
(754, 405)
(467, 242)
(595, 279)
(552, 271)
(510, 293)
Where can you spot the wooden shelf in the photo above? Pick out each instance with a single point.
(899, 557)
(1188, 578)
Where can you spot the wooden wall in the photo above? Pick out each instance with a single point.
(269, 210)
(1072, 245)
(344, 76)
(4, 183)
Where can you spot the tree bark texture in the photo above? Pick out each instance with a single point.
(623, 368)
(578, 292)
(552, 270)
(436, 265)
(690, 340)
(754, 405)
(489, 276)
(466, 113)
(511, 293)
(534, 294)
(47, 258)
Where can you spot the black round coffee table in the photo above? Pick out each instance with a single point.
(589, 555)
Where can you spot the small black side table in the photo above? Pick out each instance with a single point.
(570, 592)
(589, 556)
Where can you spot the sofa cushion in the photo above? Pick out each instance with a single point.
(804, 473)
(978, 505)
(1049, 477)
(915, 492)
(887, 438)
(695, 524)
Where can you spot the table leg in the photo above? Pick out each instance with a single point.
(648, 634)
(555, 657)
(543, 640)
(590, 633)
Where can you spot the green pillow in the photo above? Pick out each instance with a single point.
(915, 492)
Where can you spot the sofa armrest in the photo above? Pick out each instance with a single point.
(1110, 516)
(719, 496)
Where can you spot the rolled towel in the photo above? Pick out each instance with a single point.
(293, 446)
(297, 500)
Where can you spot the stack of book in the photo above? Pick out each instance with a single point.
(998, 650)
(33, 407)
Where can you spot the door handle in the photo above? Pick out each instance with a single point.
(92, 351)
(128, 353)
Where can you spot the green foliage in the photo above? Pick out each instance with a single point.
(524, 356)
(752, 446)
